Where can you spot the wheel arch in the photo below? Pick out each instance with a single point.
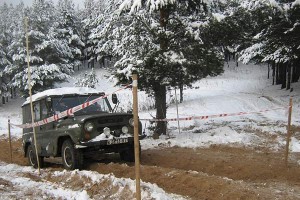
(26, 145)
(60, 142)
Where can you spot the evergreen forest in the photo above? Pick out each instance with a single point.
(169, 43)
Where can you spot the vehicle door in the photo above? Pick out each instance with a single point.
(45, 131)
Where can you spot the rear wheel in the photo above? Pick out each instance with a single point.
(32, 160)
(71, 158)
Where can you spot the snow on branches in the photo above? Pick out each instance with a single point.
(87, 80)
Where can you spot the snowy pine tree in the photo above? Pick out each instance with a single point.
(6, 30)
(68, 30)
(162, 42)
(16, 48)
(277, 41)
(49, 54)
(88, 17)
(97, 26)
(87, 80)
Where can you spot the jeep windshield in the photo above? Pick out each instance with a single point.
(65, 102)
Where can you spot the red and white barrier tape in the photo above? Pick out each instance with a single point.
(211, 116)
(65, 113)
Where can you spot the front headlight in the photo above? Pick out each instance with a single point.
(131, 122)
(125, 129)
(106, 131)
(89, 126)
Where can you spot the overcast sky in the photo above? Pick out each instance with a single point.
(29, 2)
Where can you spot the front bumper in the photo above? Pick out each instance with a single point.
(107, 142)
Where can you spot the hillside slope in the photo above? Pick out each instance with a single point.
(238, 156)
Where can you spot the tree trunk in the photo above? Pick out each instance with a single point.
(164, 15)
(93, 64)
(268, 70)
(227, 57)
(296, 71)
(278, 81)
(283, 75)
(273, 72)
(103, 62)
(160, 90)
(0, 90)
(289, 75)
(181, 93)
(161, 108)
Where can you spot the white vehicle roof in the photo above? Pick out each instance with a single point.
(61, 91)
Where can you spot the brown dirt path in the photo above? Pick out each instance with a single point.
(219, 172)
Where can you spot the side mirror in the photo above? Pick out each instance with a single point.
(114, 98)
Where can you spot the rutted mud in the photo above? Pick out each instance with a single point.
(218, 172)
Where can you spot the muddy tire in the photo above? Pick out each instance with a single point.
(71, 158)
(31, 155)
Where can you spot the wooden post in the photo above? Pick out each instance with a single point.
(9, 139)
(177, 111)
(288, 137)
(136, 136)
(30, 96)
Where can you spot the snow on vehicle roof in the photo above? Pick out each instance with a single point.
(61, 91)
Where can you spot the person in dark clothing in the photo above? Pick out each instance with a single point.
(61, 107)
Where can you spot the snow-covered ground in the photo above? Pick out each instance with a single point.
(25, 187)
(240, 89)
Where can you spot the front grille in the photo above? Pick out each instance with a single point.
(117, 133)
(110, 120)
(115, 123)
(112, 128)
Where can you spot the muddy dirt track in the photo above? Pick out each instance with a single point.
(218, 172)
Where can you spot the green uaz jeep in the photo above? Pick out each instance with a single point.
(86, 130)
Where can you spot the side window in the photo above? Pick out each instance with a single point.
(27, 117)
(103, 105)
(107, 105)
(37, 111)
(44, 113)
(26, 114)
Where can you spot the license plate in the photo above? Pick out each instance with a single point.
(117, 141)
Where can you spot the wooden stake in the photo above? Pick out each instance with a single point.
(9, 139)
(177, 111)
(136, 136)
(288, 137)
(30, 96)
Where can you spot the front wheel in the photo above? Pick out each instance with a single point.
(71, 158)
(32, 160)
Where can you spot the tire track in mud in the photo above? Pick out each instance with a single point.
(219, 172)
(190, 184)
(215, 173)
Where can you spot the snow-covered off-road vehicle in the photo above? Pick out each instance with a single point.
(94, 129)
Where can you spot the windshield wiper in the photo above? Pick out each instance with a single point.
(59, 101)
(88, 98)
